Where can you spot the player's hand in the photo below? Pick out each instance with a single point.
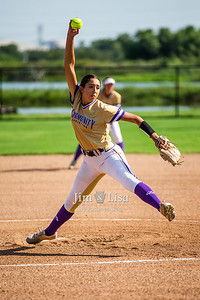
(158, 144)
(72, 32)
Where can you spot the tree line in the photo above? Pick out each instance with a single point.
(145, 45)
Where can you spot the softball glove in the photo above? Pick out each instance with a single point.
(170, 153)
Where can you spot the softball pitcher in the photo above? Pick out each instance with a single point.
(101, 156)
(109, 96)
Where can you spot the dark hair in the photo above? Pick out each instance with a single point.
(87, 78)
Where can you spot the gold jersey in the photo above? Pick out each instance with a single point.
(113, 99)
(90, 122)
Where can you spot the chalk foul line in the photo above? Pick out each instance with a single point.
(99, 219)
(106, 262)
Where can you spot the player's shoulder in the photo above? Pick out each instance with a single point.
(99, 103)
(77, 95)
(117, 94)
(104, 106)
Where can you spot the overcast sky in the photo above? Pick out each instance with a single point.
(19, 20)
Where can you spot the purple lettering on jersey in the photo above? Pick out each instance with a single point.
(76, 117)
(88, 122)
(92, 123)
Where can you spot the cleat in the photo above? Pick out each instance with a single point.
(167, 210)
(72, 164)
(36, 238)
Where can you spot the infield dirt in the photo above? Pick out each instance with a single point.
(119, 249)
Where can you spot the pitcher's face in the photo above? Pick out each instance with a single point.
(90, 91)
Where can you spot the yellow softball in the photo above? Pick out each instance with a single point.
(76, 23)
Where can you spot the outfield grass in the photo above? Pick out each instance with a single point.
(50, 134)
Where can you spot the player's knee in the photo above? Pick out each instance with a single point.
(130, 182)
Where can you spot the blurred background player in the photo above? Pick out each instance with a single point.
(109, 96)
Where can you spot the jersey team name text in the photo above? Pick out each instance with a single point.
(81, 119)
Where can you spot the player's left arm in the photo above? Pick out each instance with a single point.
(168, 151)
(128, 117)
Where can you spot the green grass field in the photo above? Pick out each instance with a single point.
(51, 134)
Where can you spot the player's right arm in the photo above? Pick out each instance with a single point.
(70, 59)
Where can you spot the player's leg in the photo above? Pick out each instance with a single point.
(85, 181)
(76, 156)
(117, 167)
(116, 134)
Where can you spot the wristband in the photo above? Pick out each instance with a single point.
(146, 128)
